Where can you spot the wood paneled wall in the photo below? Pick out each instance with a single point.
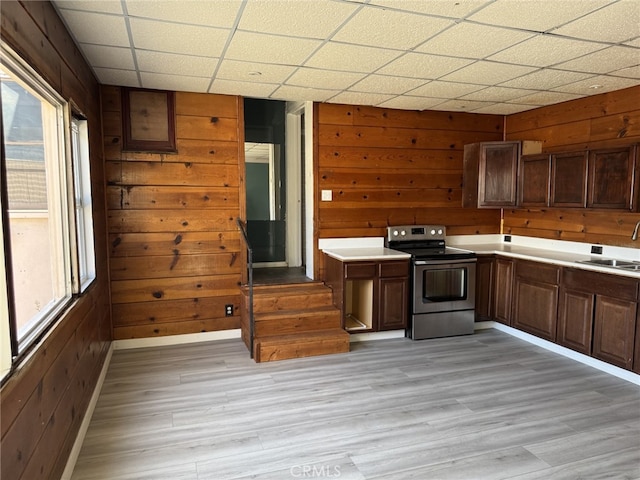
(44, 401)
(608, 119)
(176, 256)
(394, 167)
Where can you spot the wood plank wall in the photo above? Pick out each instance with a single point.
(608, 119)
(176, 257)
(395, 167)
(44, 401)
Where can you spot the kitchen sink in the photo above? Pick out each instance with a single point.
(610, 262)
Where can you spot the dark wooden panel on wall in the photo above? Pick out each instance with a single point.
(175, 248)
(44, 401)
(607, 120)
(390, 167)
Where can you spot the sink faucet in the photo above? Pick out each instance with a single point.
(634, 235)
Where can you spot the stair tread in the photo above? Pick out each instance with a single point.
(297, 312)
(311, 335)
(289, 286)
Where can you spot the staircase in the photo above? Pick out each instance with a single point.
(293, 321)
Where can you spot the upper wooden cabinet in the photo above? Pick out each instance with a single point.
(534, 180)
(611, 178)
(568, 180)
(490, 173)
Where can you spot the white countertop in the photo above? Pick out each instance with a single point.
(566, 254)
(365, 253)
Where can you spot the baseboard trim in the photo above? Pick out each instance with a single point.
(84, 426)
(176, 339)
(368, 336)
(566, 352)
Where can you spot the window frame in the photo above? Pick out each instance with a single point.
(62, 219)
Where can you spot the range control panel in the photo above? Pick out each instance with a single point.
(412, 233)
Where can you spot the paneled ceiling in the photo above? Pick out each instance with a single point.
(484, 56)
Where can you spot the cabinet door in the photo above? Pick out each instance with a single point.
(614, 330)
(569, 180)
(484, 288)
(534, 180)
(536, 308)
(636, 356)
(502, 292)
(575, 320)
(392, 308)
(498, 174)
(611, 178)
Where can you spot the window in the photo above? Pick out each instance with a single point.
(47, 222)
(83, 205)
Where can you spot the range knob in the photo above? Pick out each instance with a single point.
(440, 231)
(403, 233)
(395, 233)
(433, 232)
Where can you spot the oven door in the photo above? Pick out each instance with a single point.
(444, 285)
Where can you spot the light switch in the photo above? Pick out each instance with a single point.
(327, 195)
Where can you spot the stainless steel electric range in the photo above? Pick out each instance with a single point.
(442, 299)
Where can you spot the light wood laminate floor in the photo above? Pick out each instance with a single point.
(482, 406)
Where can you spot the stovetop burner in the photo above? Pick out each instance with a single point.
(423, 242)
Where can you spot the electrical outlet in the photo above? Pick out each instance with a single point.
(596, 249)
(507, 238)
(228, 310)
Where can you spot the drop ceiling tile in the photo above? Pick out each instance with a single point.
(97, 28)
(411, 103)
(176, 38)
(108, 57)
(246, 89)
(462, 40)
(545, 79)
(496, 94)
(422, 65)
(358, 98)
(458, 9)
(606, 83)
(253, 72)
(316, 19)
(301, 94)
(438, 89)
(386, 84)
(91, 6)
(111, 76)
(631, 72)
(219, 14)
(545, 98)
(323, 79)
(488, 73)
(614, 23)
(178, 83)
(545, 50)
(173, 64)
(377, 27)
(604, 61)
(350, 58)
(503, 108)
(535, 15)
(461, 105)
(259, 47)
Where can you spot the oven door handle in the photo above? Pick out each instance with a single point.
(444, 262)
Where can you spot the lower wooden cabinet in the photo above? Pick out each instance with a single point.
(502, 291)
(372, 295)
(636, 355)
(614, 330)
(535, 307)
(575, 319)
(484, 288)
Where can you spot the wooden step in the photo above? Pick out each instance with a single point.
(282, 347)
(284, 322)
(291, 297)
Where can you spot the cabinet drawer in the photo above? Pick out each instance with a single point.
(601, 283)
(359, 270)
(394, 269)
(538, 271)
